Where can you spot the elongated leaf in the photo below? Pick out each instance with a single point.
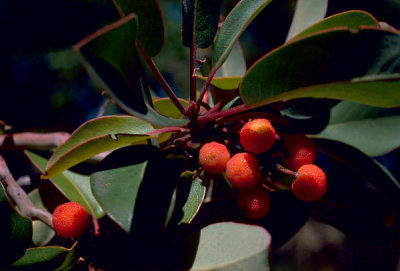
(97, 136)
(110, 57)
(74, 186)
(236, 22)
(47, 258)
(333, 64)
(135, 187)
(352, 19)
(200, 18)
(231, 246)
(362, 165)
(15, 232)
(166, 107)
(226, 83)
(373, 135)
(307, 13)
(150, 30)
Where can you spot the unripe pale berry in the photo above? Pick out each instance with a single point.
(253, 203)
(213, 157)
(70, 220)
(243, 171)
(310, 183)
(302, 151)
(257, 136)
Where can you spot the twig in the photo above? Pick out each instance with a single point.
(103, 108)
(32, 140)
(24, 180)
(192, 69)
(21, 199)
(161, 79)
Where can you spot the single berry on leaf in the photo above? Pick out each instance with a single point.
(213, 157)
(253, 203)
(310, 183)
(302, 151)
(243, 171)
(257, 136)
(70, 220)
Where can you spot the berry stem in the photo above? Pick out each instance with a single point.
(286, 171)
(161, 79)
(216, 115)
(206, 85)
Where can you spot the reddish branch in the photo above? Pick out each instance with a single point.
(21, 199)
(161, 79)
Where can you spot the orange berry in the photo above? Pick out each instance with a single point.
(257, 136)
(213, 157)
(253, 203)
(302, 151)
(70, 220)
(243, 171)
(310, 183)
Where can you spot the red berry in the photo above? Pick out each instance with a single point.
(213, 157)
(253, 203)
(302, 151)
(257, 136)
(70, 220)
(243, 171)
(310, 183)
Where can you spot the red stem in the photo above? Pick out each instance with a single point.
(213, 116)
(161, 79)
(206, 85)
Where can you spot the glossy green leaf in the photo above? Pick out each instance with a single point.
(352, 19)
(150, 31)
(74, 186)
(110, 57)
(236, 22)
(15, 232)
(365, 130)
(48, 258)
(362, 165)
(307, 13)
(135, 187)
(96, 136)
(335, 64)
(166, 107)
(200, 18)
(190, 197)
(117, 189)
(232, 246)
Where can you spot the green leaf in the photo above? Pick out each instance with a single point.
(42, 233)
(334, 64)
(48, 258)
(73, 186)
(15, 232)
(96, 136)
(231, 246)
(135, 187)
(150, 30)
(200, 18)
(117, 189)
(236, 22)
(362, 165)
(225, 83)
(166, 107)
(190, 196)
(373, 135)
(307, 13)
(110, 57)
(352, 19)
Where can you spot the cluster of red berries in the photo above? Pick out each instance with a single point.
(244, 172)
